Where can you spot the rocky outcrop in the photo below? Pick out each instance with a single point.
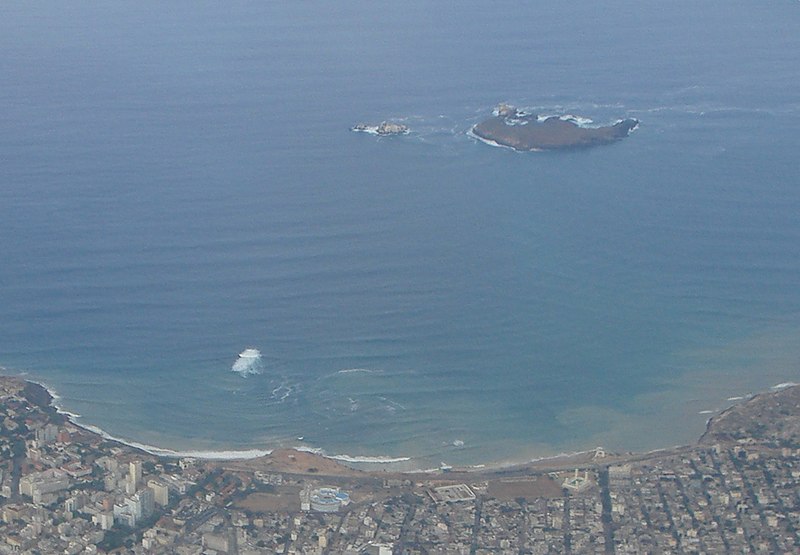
(772, 418)
(384, 128)
(519, 130)
(37, 395)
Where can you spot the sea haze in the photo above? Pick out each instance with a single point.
(178, 183)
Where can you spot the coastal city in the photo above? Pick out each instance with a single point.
(67, 490)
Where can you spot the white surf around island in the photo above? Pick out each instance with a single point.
(384, 129)
(249, 363)
(580, 121)
(472, 135)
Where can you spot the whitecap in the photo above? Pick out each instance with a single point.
(392, 405)
(357, 371)
(282, 392)
(248, 363)
(784, 385)
(706, 412)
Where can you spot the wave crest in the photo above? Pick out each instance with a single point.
(248, 363)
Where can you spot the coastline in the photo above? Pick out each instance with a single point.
(220, 455)
(386, 464)
(355, 462)
(74, 418)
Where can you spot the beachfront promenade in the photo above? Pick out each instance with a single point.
(67, 490)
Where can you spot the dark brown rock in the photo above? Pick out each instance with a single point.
(520, 131)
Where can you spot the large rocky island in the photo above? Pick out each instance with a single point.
(519, 130)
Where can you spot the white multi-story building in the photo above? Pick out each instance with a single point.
(134, 477)
(38, 484)
(124, 514)
(104, 520)
(46, 434)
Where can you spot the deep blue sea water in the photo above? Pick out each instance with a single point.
(178, 183)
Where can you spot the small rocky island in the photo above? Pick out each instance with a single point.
(520, 130)
(383, 129)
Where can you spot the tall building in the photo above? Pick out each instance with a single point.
(105, 520)
(134, 477)
(160, 492)
(125, 513)
(46, 434)
(146, 498)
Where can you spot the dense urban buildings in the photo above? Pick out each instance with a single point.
(66, 490)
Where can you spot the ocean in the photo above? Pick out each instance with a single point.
(178, 183)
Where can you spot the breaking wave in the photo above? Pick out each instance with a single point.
(248, 363)
(358, 371)
(580, 121)
(472, 135)
(352, 459)
(157, 451)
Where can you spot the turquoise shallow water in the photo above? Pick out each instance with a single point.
(179, 183)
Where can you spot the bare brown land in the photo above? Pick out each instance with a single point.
(270, 502)
(521, 131)
(292, 461)
(531, 488)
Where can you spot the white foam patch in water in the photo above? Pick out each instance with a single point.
(357, 371)
(248, 363)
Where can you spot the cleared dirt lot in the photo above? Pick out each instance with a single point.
(542, 486)
(270, 502)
